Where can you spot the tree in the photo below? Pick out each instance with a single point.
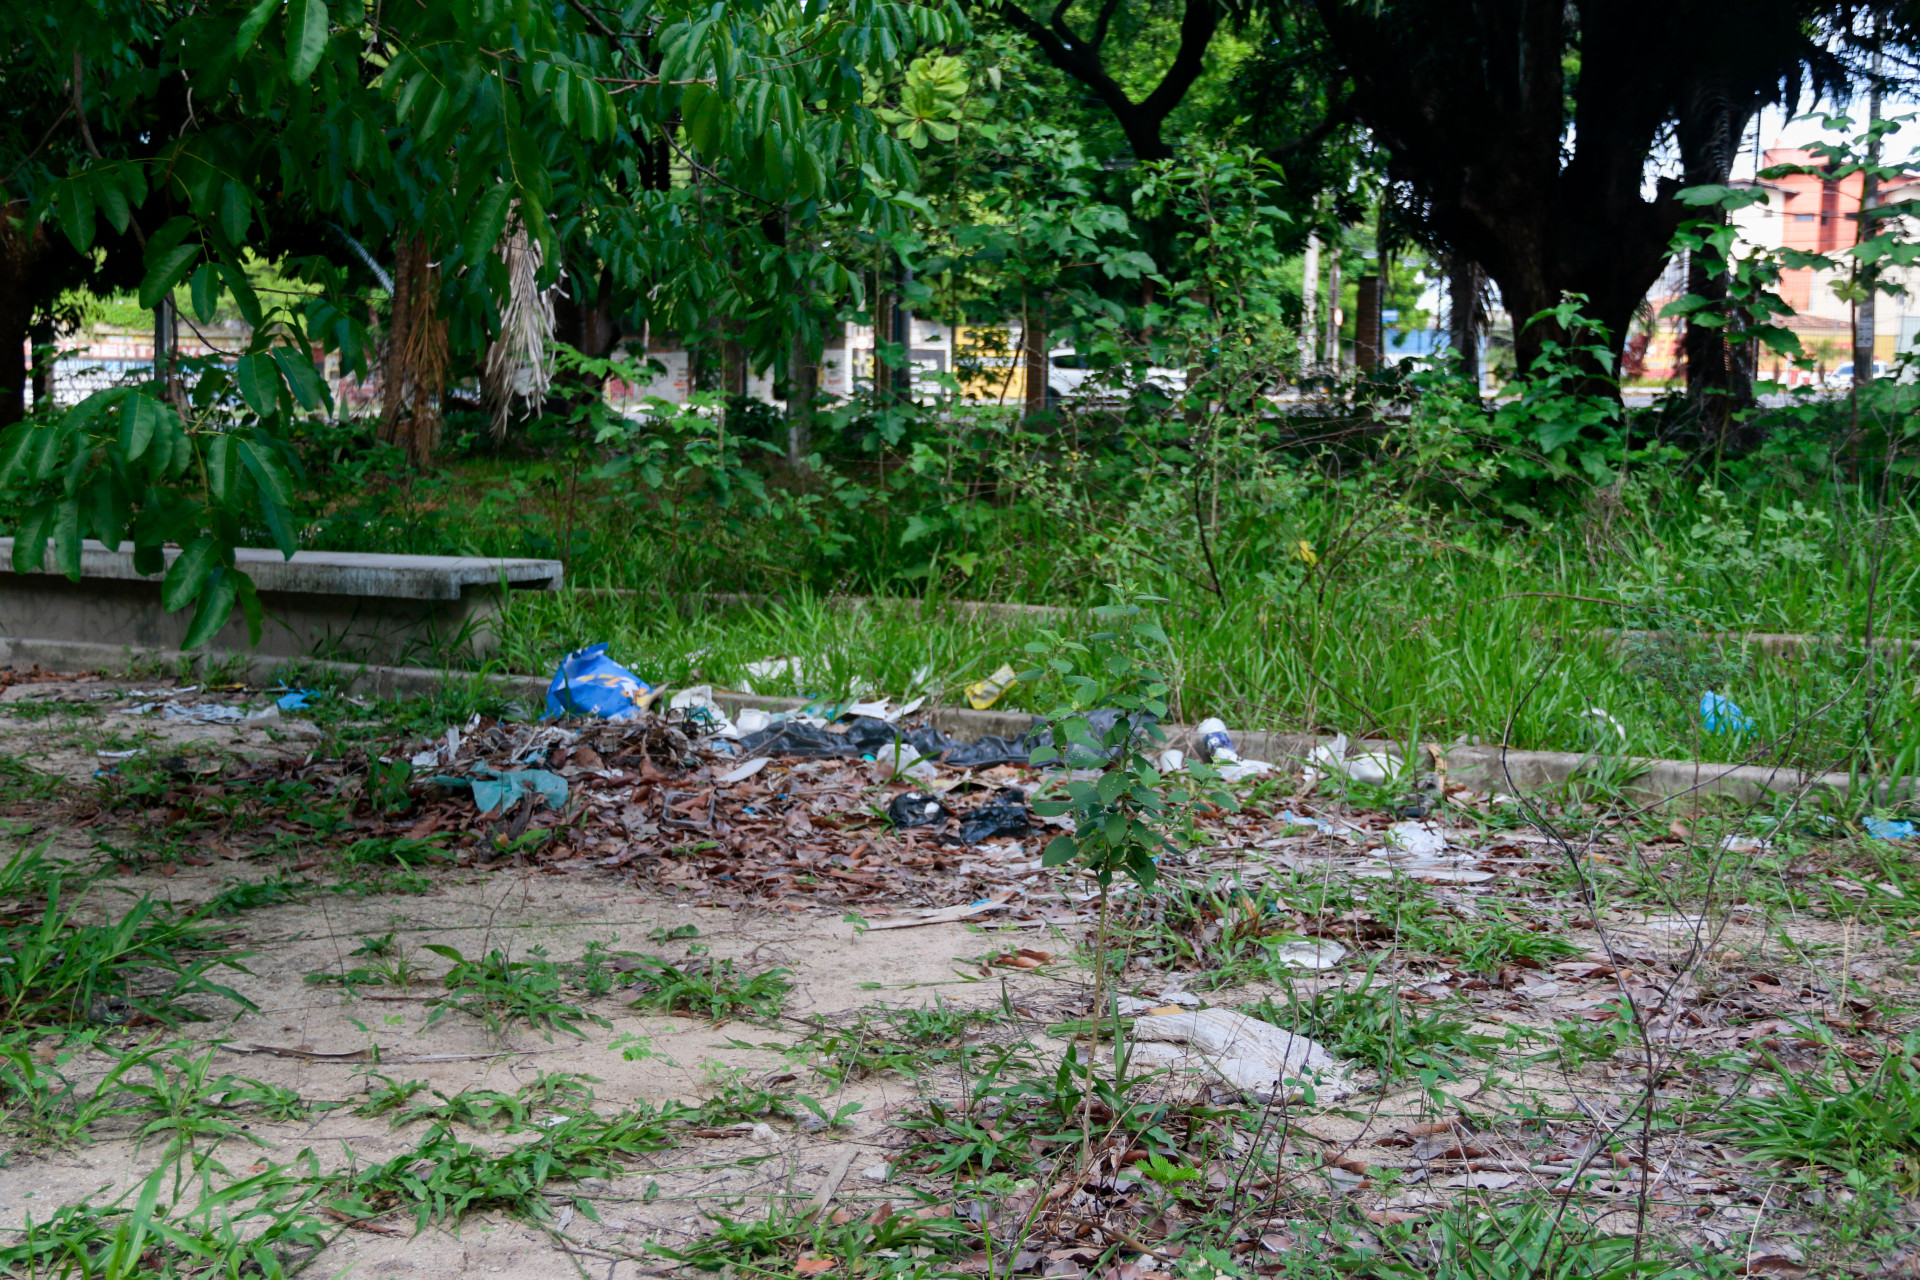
(1521, 131)
(208, 129)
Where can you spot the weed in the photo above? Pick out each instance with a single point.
(249, 896)
(711, 988)
(262, 1225)
(1374, 1026)
(561, 1092)
(1864, 1125)
(500, 992)
(60, 972)
(442, 1178)
(389, 1095)
(734, 1095)
(387, 851)
(901, 1041)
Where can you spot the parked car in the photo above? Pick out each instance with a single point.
(1072, 376)
(1842, 376)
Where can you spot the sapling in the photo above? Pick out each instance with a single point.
(1130, 814)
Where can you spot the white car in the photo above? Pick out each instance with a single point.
(1069, 373)
(1842, 376)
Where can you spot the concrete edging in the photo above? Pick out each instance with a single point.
(1644, 780)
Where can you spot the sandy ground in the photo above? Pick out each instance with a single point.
(838, 968)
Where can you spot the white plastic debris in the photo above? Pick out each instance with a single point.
(1375, 767)
(196, 713)
(1420, 839)
(1248, 1054)
(753, 720)
(770, 669)
(1131, 1006)
(1241, 770)
(1604, 719)
(900, 759)
(1308, 953)
(1171, 760)
(876, 1173)
(740, 773)
(700, 713)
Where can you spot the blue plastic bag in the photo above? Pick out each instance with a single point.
(1889, 828)
(494, 790)
(589, 683)
(1720, 714)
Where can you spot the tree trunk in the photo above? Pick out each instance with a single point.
(802, 377)
(1033, 356)
(1865, 310)
(1366, 325)
(1333, 309)
(1464, 317)
(1309, 298)
(413, 359)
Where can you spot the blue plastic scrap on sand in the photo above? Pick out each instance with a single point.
(293, 699)
(494, 790)
(1720, 714)
(1889, 828)
(589, 683)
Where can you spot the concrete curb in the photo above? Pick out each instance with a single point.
(1642, 780)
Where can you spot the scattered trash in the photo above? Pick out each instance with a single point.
(1416, 838)
(982, 694)
(589, 683)
(1005, 815)
(1172, 760)
(295, 699)
(1168, 1002)
(1374, 767)
(701, 714)
(121, 755)
(1214, 743)
(868, 736)
(944, 915)
(1248, 1054)
(195, 713)
(771, 669)
(1604, 719)
(496, 790)
(1878, 828)
(898, 759)
(1307, 953)
(915, 809)
(1721, 714)
(433, 757)
(1292, 819)
(740, 773)
(1240, 770)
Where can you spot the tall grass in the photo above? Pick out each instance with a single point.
(1303, 590)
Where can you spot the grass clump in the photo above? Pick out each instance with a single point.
(501, 992)
(711, 988)
(1864, 1125)
(1373, 1026)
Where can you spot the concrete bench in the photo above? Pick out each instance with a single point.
(342, 605)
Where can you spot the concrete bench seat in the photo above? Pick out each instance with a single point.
(350, 606)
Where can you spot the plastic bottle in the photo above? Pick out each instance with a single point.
(1215, 744)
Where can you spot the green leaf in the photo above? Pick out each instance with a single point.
(276, 493)
(206, 292)
(250, 607)
(308, 387)
(215, 607)
(306, 37)
(166, 273)
(66, 538)
(188, 574)
(139, 417)
(258, 378)
(30, 539)
(76, 211)
(489, 223)
(220, 469)
(252, 25)
(235, 211)
(1059, 849)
